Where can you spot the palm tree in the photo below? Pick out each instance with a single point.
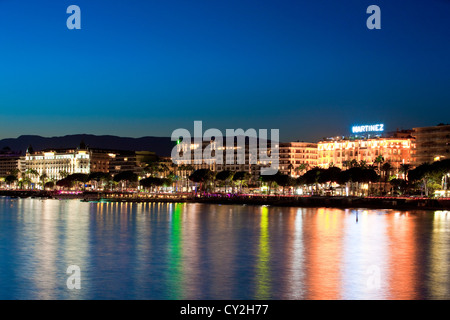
(346, 163)
(177, 173)
(379, 160)
(99, 178)
(226, 176)
(363, 164)
(189, 169)
(151, 168)
(10, 179)
(404, 169)
(353, 163)
(31, 174)
(302, 167)
(386, 168)
(25, 181)
(269, 180)
(290, 168)
(43, 179)
(63, 174)
(165, 170)
(241, 177)
(283, 180)
(126, 177)
(202, 176)
(50, 184)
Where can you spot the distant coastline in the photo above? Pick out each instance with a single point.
(398, 203)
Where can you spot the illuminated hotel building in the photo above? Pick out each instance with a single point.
(395, 149)
(432, 144)
(56, 164)
(234, 158)
(297, 157)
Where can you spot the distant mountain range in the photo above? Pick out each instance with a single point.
(161, 145)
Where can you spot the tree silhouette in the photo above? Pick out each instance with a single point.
(201, 176)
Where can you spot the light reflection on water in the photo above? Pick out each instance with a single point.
(198, 251)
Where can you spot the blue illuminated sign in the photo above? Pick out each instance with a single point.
(368, 128)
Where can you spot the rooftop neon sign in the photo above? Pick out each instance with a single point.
(368, 128)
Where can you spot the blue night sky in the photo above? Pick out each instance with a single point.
(142, 68)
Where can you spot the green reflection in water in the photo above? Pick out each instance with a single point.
(262, 267)
(175, 275)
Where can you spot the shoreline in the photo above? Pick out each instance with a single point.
(398, 203)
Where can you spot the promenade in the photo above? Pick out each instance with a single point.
(399, 203)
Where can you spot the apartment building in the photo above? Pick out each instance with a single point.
(297, 157)
(9, 162)
(432, 144)
(235, 156)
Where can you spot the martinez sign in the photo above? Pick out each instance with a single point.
(368, 128)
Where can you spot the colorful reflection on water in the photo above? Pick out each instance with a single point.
(198, 251)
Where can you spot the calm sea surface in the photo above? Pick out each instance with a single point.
(199, 251)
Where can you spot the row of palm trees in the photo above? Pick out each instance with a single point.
(26, 178)
(355, 176)
(232, 181)
(315, 179)
(429, 177)
(358, 178)
(152, 175)
(31, 178)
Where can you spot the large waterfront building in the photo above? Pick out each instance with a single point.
(235, 157)
(297, 157)
(121, 160)
(56, 164)
(9, 162)
(395, 149)
(432, 144)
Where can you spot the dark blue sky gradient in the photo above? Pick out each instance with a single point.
(138, 68)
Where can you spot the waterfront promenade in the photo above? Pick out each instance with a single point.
(400, 203)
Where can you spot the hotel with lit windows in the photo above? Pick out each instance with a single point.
(235, 157)
(338, 153)
(395, 148)
(367, 144)
(58, 163)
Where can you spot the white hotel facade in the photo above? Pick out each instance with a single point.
(56, 165)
